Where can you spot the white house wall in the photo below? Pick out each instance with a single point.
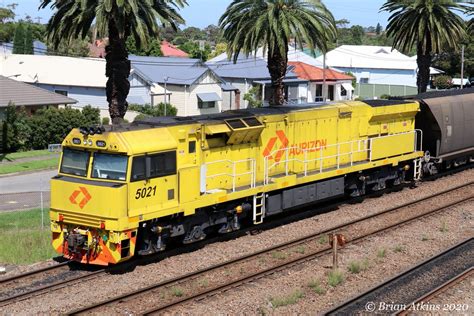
(384, 76)
(184, 98)
(84, 95)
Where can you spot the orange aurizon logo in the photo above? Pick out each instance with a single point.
(86, 197)
(295, 149)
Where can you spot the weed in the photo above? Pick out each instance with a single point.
(300, 249)
(354, 267)
(323, 239)
(176, 291)
(287, 300)
(316, 287)
(279, 255)
(381, 253)
(203, 283)
(335, 278)
(444, 227)
(424, 238)
(398, 248)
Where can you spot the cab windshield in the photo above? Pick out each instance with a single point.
(110, 167)
(75, 162)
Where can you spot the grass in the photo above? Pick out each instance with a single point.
(335, 277)
(25, 154)
(279, 255)
(287, 300)
(381, 253)
(323, 239)
(29, 165)
(315, 285)
(23, 241)
(358, 266)
(444, 227)
(300, 249)
(176, 291)
(398, 248)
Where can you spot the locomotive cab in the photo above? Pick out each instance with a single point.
(103, 187)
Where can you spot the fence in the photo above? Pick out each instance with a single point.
(370, 91)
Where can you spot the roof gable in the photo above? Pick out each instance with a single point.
(312, 73)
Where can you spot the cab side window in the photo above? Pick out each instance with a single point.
(162, 164)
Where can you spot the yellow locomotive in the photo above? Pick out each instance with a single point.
(132, 189)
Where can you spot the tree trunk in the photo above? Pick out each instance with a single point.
(424, 62)
(277, 65)
(117, 69)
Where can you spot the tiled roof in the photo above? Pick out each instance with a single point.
(23, 94)
(169, 50)
(312, 73)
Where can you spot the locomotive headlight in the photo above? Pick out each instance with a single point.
(89, 142)
(85, 142)
(100, 143)
(76, 141)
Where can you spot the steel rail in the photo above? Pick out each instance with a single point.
(355, 299)
(441, 289)
(193, 275)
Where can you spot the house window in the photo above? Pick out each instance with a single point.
(364, 80)
(319, 90)
(206, 105)
(343, 91)
(63, 92)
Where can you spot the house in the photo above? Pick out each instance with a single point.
(189, 85)
(169, 50)
(338, 85)
(378, 69)
(250, 72)
(28, 96)
(82, 79)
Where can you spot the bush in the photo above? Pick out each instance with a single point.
(46, 126)
(15, 130)
(105, 121)
(443, 82)
(154, 111)
(335, 278)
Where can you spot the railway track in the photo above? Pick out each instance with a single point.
(403, 292)
(428, 298)
(23, 286)
(230, 274)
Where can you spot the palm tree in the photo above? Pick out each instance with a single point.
(251, 24)
(119, 19)
(428, 25)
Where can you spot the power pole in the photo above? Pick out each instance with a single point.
(324, 77)
(462, 67)
(166, 92)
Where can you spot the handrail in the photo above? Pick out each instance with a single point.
(367, 146)
(234, 174)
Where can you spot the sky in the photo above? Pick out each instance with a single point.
(201, 13)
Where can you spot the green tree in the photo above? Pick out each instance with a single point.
(74, 47)
(427, 25)
(91, 115)
(378, 29)
(194, 51)
(252, 97)
(153, 49)
(29, 49)
(119, 19)
(249, 25)
(357, 33)
(220, 48)
(19, 39)
(16, 130)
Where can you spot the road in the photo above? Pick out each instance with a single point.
(25, 191)
(30, 182)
